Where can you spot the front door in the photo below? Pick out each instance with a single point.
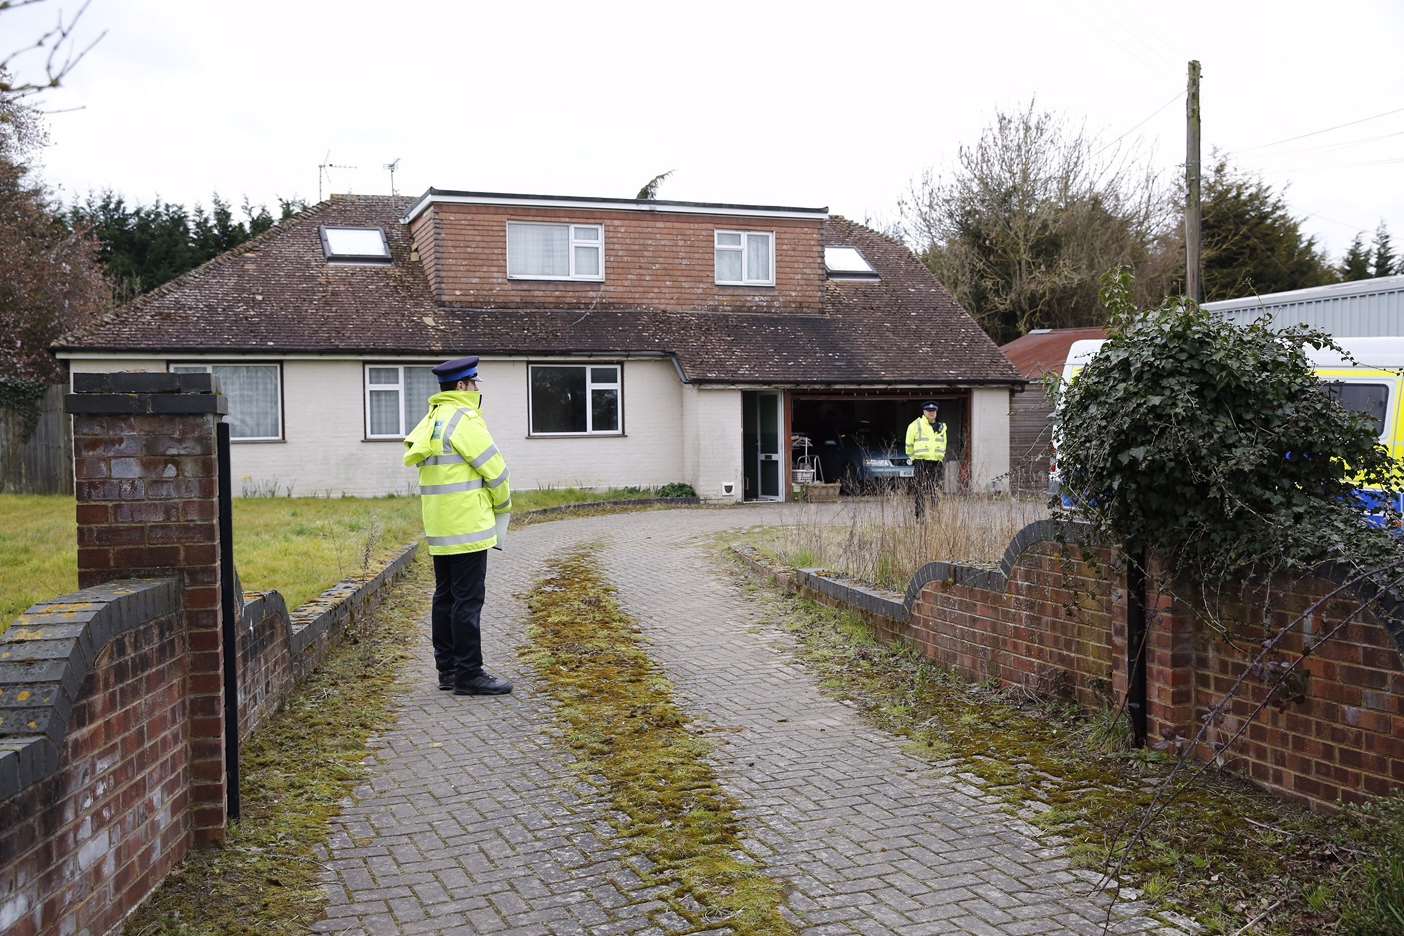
(762, 424)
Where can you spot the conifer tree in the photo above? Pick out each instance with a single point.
(1384, 263)
(1356, 263)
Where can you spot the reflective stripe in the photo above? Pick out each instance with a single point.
(453, 424)
(503, 508)
(454, 459)
(462, 539)
(484, 458)
(499, 480)
(450, 488)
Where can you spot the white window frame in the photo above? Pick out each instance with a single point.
(745, 279)
(574, 242)
(398, 387)
(207, 367)
(590, 387)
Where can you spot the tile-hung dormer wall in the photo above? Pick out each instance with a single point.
(511, 251)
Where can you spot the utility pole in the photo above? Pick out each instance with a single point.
(1193, 285)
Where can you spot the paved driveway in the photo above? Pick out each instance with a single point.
(473, 821)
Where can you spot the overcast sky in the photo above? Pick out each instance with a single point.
(812, 104)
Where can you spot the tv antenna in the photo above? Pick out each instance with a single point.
(390, 167)
(323, 175)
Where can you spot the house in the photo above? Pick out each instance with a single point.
(624, 342)
(1358, 309)
(1041, 352)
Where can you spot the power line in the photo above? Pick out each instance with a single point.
(1154, 114)
(1303, 136)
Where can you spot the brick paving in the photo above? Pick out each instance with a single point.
(474, 822)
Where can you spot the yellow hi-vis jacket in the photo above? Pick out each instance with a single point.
(462, 476)
(926, 442)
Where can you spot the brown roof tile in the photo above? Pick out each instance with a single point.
(1046, 350)
(277, 294)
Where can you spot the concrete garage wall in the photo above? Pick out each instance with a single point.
(989, 439)
(324, 450)
(711, 422)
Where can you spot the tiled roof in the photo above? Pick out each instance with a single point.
(1045, 351)
(276, 294)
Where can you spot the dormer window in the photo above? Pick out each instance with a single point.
(745, 258)
(555, 251)
(847, 263)
(355, 245)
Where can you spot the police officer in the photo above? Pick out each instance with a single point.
(926, 447)
(463, 492)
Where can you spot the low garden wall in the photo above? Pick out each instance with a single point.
(112, 715)
(1052, 617)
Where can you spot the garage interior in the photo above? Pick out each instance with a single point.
(837, 422)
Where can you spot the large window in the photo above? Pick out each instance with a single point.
(255, 396)
(571, 399)
(745, 258)
(397, 396)
(555, 251)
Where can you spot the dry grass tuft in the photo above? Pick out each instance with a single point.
(879, 541)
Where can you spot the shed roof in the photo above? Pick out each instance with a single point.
(1044, 350)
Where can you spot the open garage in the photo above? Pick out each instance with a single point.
(860, 437)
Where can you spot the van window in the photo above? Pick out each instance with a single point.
(1368, 398)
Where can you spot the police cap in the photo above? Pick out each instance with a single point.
(930, 405)
(464, 368)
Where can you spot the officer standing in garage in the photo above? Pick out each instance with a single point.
(926, 447)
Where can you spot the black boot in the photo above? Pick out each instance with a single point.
(445, 680)
(482, 684)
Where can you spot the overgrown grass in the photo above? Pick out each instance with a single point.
(879, 541)
(624, 726)
(1223, 853)
(296, 770)
(298, 546)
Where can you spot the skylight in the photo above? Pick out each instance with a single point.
(363, 245)
(847, 261)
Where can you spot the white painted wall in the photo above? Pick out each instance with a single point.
(324, 451)
(989, 439)
(712, 442)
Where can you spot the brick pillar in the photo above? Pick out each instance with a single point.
(146, 479)
(1170, 662)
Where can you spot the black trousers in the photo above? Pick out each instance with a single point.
(460, 582)
(926, 482)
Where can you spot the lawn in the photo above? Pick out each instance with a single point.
(299, 546)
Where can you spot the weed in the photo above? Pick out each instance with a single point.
(622, 723)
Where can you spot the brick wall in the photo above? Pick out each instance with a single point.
(1053, 616)
(651, 260)
(95, 766)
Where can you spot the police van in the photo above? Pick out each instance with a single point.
(1371, 383)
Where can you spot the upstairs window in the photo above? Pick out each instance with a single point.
(847, 263)
(355, 245)
(555, 251)
(397, 397)
(745, 258)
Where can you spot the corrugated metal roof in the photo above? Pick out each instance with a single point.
(1362, 308)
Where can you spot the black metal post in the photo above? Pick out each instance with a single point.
(226, 609)
(1136, 703)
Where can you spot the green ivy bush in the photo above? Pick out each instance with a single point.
(1215, 445)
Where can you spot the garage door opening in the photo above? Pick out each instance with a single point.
(860, 441)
